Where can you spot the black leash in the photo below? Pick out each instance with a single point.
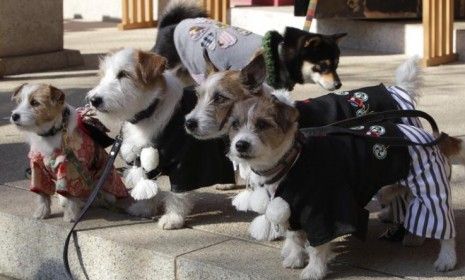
(106, 171)
(344, 128)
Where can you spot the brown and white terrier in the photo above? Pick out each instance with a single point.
(64, 158)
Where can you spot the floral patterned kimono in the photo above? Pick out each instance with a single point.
(59, 171)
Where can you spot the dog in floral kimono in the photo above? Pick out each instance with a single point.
(66, 154)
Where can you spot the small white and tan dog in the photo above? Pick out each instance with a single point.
(64, 158)
(317, 192)
(135, 91)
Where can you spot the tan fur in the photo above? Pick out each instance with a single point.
(281, 119)
(450, 146)
(149, 69)
(50, 103)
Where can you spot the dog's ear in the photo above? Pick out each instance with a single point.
(56, 95)
(338, 37)
(254, 74)
(210, 67)
(149, 67)
(286, 115)
(14, 96)
(310, 42)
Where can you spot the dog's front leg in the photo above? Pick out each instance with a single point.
(293, 251)
(147, 188)
(71, 208)
(177, 207)
(317, 262)
(42, 210)
(447, 258)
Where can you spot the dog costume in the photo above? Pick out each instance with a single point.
(189, 163)
(334, 177)
(228, 47)
(60, 173)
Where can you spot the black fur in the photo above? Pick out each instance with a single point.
(164, 44)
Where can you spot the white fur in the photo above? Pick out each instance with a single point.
(317, 262)
(132, 176)
(42, 210)
(447, 258)
(408, 77)
(278, 211)
(283, 96)
(149, 158)
(143, 208)
(241, 200)
(260, 228)
(259, 200)
(177, 207)
(72, 209)
(144, 189)
(293, 251)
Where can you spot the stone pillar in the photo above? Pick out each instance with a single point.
(31, 37)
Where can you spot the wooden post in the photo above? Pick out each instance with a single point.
(438, 28)
(218, 9)
(137, 14)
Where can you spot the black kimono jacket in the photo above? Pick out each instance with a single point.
(333, 107)
(191, 163)
(335, 177)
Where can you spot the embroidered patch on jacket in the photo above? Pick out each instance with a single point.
(380, 151)
(209, 41)
(341, 93)
(359, 101)
(376, 131)
(195, 32)
(225, 39)
(242, 31)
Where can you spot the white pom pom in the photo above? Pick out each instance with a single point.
(244, 170)
(259, 200)
(241, 200)
(132, 176)
(149, 158)
(145, 189)
(278, 211)
(260, 228)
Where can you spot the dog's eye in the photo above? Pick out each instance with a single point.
(218, 98)
(34, 103)
(235, 124)
(316, 68)
(122, 74)
(262, 124)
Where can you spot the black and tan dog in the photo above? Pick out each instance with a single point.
(295, 57)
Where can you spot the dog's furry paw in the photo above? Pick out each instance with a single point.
(145, 189)
(171, 221)
(313, 272)
(260, 228)
(447, 258)
(142, 208)
(42, 212)
(296, 259)
(276, 232)
(241, 200)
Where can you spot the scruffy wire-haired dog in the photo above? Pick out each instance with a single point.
(318, 191)
(137, 92)
(63, 157)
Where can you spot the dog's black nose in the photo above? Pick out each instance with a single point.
(15, 117)
(242, 146)
(192, 124)
(96, 101)
(337, 84)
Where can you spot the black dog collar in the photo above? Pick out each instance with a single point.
(145, 113)
(54, 130)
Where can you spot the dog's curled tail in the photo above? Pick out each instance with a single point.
(409, 77)
(179, 10)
